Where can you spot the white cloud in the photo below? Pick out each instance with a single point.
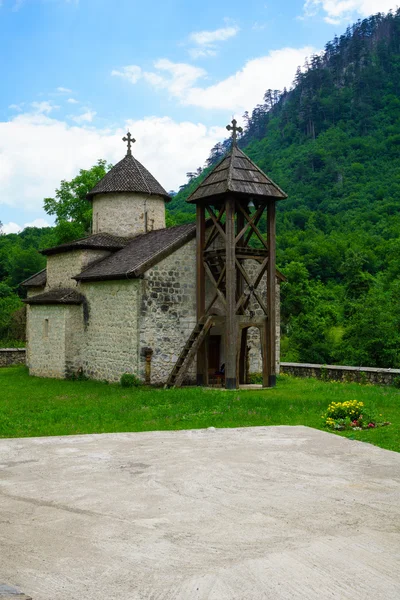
(17, 107)
(206, 38)
(177, 78)
(239, 92)
(15, 228)
(64, 90)
(206, 41)
(43, 107)
(72, 101)
(131, 72)
(37, 151)
(86, 117)
(339, 10)
(201, 52)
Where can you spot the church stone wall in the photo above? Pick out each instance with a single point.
(62, 267)
(168, 312)
(46, 341)
(124, 214)
(111, 337)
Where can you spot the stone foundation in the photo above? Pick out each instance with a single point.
(12, 356)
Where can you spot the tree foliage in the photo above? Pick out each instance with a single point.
(70, 203)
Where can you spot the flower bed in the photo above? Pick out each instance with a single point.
(351, 415)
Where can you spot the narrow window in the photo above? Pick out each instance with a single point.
(46, 328)
(97, 223)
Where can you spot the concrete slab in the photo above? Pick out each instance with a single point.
(228, 514)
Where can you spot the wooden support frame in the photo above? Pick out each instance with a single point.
(231, 327)
(223, 264)
(201, 367)
(271, 292)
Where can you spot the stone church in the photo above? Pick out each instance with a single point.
(123, 299)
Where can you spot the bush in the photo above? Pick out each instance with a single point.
(396, 382)
(129, 380)
(351, 415)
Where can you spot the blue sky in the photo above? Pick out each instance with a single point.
(77, 73)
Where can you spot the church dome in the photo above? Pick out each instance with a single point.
(129, 175)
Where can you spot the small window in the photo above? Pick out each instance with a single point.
(46, 328)
(96, 225)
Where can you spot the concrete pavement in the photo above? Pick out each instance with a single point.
(280, 513)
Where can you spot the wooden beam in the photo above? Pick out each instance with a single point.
(254, 228)
(214, 231)
(252, 287)
(246, 242)
(231, 341)
(271, 291)
(216, 221)
(215, 283)
(251, 219)
(202, 367)
(243, 356)
(239, 243)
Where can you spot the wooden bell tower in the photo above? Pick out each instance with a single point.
(233, 202)
(230, 205)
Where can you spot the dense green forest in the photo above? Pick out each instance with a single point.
(332, 142)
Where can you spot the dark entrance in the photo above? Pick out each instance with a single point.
(214, 353)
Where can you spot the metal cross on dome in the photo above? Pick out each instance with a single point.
(234, 130)
(131, 140)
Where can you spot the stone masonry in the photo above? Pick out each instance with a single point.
(125, 214)
(168, 311)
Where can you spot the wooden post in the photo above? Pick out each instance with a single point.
(239, 227)
(231, 336)
(243, 356)
(201, 291)
(271, 292)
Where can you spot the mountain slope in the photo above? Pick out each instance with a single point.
(333, 144)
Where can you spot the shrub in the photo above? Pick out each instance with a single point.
(256, 378)
(350, 415)
(396, 382)
(129, 380)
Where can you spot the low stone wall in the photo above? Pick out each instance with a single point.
(341, 373)
(12, 356)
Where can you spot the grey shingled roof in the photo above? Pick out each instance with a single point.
(128, 176)
(37, 280)
(97, 241)
(237, 173)
(57, 296)
(140, 254)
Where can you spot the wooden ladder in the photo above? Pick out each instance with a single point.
(189, 351)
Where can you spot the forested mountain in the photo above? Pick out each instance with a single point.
(332, 142)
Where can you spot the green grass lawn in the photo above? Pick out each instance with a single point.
(31, 406)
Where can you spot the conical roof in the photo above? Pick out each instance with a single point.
(128, 176)
(238, 174)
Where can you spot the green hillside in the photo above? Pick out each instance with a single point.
(333, 144)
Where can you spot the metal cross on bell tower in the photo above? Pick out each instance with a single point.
(235, 130)
(131, 140)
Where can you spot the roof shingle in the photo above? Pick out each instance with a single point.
(129, 175)
(57, 296)
(237, 173)
(140, 254)
(97, 241)
(37, 280)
